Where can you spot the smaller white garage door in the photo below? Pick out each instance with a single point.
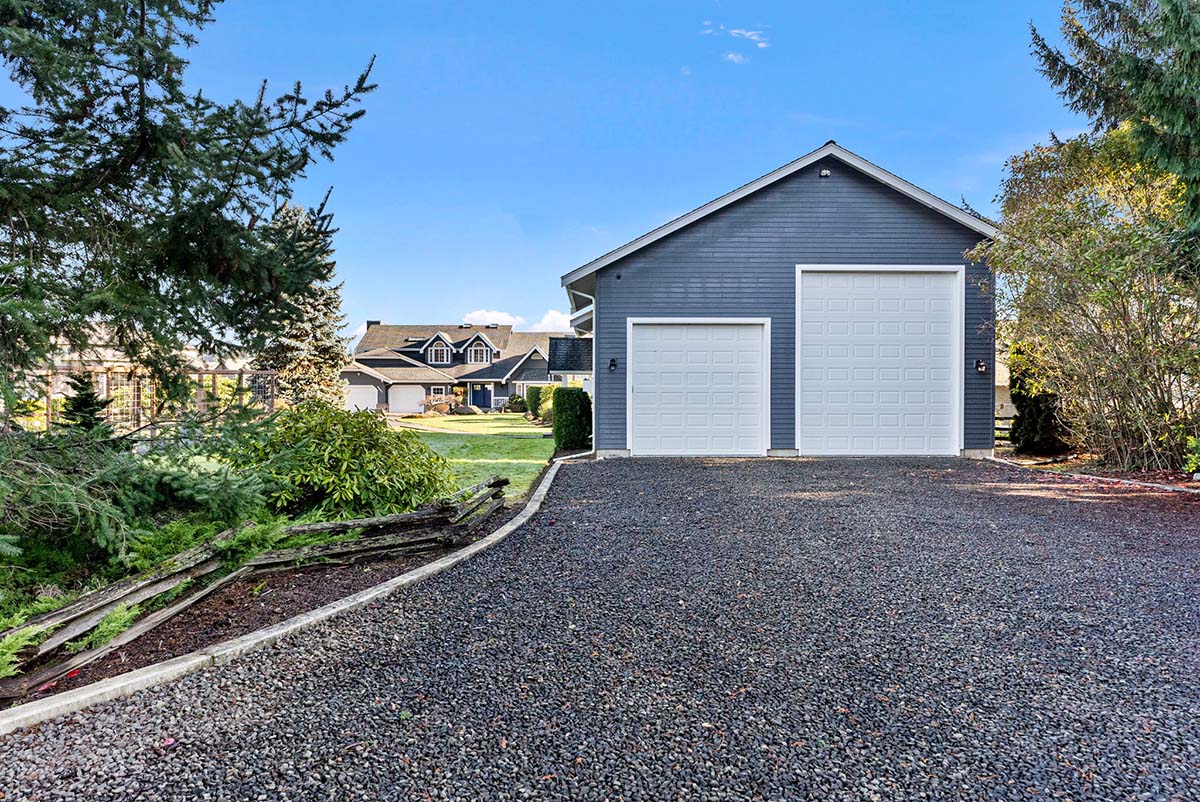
(359, 396)
(698, 388)
(406, 398)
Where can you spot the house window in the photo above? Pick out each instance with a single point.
(439, 354)
(439, 390)
(479, 354)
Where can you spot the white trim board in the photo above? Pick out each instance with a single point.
(830, 148)
(630, 322)
(959, 329)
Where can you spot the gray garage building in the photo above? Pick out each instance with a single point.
(826, 308)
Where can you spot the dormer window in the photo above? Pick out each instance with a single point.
(439, 354)
(479, 354)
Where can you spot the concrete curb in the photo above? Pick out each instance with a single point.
(1090, 478)
(127, 684)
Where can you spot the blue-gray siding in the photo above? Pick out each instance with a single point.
(741, 262)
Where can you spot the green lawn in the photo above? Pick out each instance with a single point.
(474, 458)
(502, 423)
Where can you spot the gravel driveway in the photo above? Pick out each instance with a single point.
(724, 629)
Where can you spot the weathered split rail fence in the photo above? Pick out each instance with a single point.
(180, 582)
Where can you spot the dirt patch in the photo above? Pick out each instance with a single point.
(1089, 465)
(249, 604)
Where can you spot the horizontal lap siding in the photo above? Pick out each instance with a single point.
(741, 262)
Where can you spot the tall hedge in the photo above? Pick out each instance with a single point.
(1037, 427)
(533, 399)
(572, 418)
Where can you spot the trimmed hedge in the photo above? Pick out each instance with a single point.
(533, 399)
(516, 403)
(572, 418)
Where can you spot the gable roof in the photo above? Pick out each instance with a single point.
(413, 337)
(830, 148)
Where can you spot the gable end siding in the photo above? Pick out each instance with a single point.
(741, 262)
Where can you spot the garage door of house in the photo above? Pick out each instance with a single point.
(879, 362)
(698, 387)
(360, 396)
(406, 398)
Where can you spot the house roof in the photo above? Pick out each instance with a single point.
(413, 337)
(830, 148)
(382, 344)
(570, 355)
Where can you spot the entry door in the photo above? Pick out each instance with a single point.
(698, 389)
(878, 367)
(481, 395)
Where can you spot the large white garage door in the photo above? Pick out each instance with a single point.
(878, 358)
(406, 398)
(698, 389)
(359, 396)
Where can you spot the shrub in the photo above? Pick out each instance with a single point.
(516, 403)
(533, 399)
(1193, 456)
(1037, 427)
(572, 418)
(340, 464)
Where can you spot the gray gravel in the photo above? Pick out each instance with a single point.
(836, 630)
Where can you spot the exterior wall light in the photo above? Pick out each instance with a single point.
(612, 364)
(980, 366)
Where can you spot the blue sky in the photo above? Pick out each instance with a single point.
(510, 142)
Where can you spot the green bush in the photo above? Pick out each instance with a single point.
(516, 403)
(317, 458)
(533, 399)
(1192, 465)
(572, 418)
(1037, 427)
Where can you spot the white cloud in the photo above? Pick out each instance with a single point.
(753, 36)
(685, 71)
(735, 58)
(553, 320)
(481, 317)
(359, 330)
(763, 45)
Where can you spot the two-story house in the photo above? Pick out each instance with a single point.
(395, 368)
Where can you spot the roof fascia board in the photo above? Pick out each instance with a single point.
(471, 339)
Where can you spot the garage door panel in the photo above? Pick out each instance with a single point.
(697, 389)
(877, 363)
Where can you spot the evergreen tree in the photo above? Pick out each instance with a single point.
(132, 204)
(84, 408)
(308, 353)
(1136, 61)
(1037, 427)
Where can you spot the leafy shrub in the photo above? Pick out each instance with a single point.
(517, 404)
(1037, 427)
(1193, 456)
(533, 400)
(572, 418)
(317, 458)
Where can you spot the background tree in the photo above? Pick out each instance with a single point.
(1087, 271)
(83, 407)
(1136, 61)
(132, 204)
(308, 353)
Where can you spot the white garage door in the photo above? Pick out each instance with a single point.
(406, 398)
(359, 396)
(698, 389)
(878, 363)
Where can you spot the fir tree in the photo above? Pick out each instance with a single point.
(1136, 61)
(84, 408)
(308, 353)
(132, 204)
